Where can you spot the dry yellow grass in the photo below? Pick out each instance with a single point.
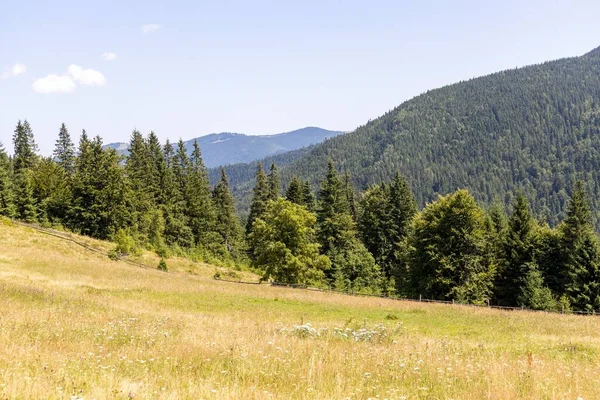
(74, 324)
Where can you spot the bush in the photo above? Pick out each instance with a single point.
(126, 244)
(162, 265)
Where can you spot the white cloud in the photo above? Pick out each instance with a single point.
(87, 76)
(109, 56)
(148, 28)
(11, 72)
(54, 84)
(67, 83)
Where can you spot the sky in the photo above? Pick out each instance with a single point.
(190, 68)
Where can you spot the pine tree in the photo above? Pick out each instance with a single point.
(26, 208)
(199, 203)
(273, 182)
(227, 224)
(295, 192)
(333, 216)
(581, 254)
(24, 147)
(350, 197)
(259, 198)
(336, 232)
(307, 196)
(177, 231)
(7, 195)
(64, 150)
(101, 196)
(518, 253)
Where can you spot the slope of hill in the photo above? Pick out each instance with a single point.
(535, 128)
(231, 148)
(77, 325)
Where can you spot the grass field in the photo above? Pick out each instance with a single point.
(74, 324)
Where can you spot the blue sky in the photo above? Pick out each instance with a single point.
(189, 68)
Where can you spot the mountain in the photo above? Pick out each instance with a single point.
(231, 148)
(534, 129)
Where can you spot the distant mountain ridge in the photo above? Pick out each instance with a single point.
(233, 148)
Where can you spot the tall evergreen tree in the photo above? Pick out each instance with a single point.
(581, 253)
(101, 196)
(333, 216)
(518, 253)
(7, 195)
(200, 208)
(307, 196)
(227, 224)
(273, 182)
(177, 231)
(25, 147)
(295, 191)
(259, 199)
(64, 150)
(350, 197)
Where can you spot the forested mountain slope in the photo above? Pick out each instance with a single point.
(535, 128)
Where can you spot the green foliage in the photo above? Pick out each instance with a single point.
(534, 294)
(125, 244)
(518, 253)
(447, 251)
(227, 223)
(273, 182)
(284, 245)
(64, 151)
(259, 199)
(7, 194)
(162, 265)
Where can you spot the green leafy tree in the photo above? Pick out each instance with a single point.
(447, 253)
(285, 247)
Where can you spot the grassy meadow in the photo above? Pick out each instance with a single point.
(77, 325)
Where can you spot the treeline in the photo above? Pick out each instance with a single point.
(378, 242)
(159, 198)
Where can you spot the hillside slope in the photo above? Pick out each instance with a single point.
(231, 148)
(535, 128)
(75, 324)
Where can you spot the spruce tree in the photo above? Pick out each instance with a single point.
(307, 196)
(24, 147)
(295, 191)
(177, 231)
(333, 216)
(273, 182)
(518, 253)
(64, 150)
(259, 199)
(350, 197)
(7, 195)
(200, 208)
(227, 223)
(581, 254)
